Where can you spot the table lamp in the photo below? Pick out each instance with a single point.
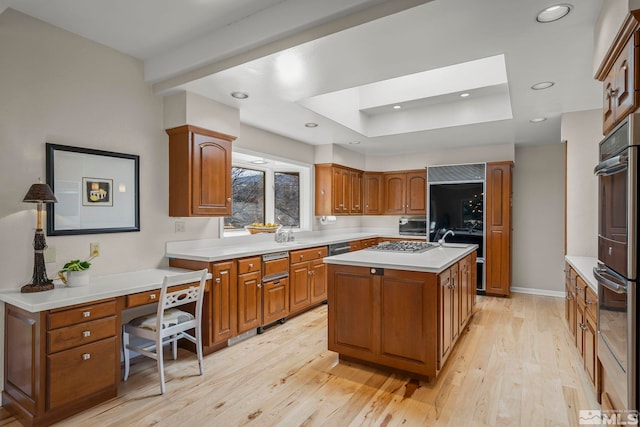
(39, 193)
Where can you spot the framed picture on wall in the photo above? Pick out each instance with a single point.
(97, 191)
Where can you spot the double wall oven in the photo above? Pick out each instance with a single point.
(616, 271)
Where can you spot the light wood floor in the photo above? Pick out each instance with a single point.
(515, 365)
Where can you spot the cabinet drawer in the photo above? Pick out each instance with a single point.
(149, 297)
(81, 314)
(77, 373)
(249, 265)
(83, 333)
(275, 266)
(581, 289)
(308, 254)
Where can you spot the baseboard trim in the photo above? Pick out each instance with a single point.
(542, 292)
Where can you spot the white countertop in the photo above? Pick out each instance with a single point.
(432, 261)
(584, 267)
(100, 287)
(209, 250)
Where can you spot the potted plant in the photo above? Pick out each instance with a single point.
(77, 273)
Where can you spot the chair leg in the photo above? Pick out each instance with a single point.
(175, 348)
(160, 362)
(125, 344)
(199, 348)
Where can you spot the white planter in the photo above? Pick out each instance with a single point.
(78, 278)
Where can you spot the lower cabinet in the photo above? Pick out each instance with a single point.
(308, 278)
(276, 300)
(59, 362)
(580, 313)
(249, 293)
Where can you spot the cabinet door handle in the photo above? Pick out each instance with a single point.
(259, 285)
(308, 273)
(86, 356)
(86, 314)
(613, 92)
(86, 334)
(228, 199)
(568, 297)
(588, 302)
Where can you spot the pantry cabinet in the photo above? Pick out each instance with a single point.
(199, 172)
(498, 228)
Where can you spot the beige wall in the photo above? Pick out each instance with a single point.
(611, 17)
(582, 131)
(538, 228)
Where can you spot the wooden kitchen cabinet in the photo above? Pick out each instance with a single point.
(338, 190)
(307, 278)
(276, 300)
(570, 300)
(373, 193)
(619, 75)
(405, 193)
(498, 228)
(357, 245)
(199, 172)
(59, 362)
(249, 293)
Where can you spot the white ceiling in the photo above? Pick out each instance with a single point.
(285, 52)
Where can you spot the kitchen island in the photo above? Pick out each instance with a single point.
(403, 311)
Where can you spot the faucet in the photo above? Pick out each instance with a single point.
(441, 241)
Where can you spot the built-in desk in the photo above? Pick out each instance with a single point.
(62, 347)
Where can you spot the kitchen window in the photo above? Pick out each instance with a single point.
(268, 191)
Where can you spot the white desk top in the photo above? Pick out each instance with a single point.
(434, 260)
(100, 287)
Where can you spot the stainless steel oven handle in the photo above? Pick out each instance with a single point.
(612, 166)
(609, 284)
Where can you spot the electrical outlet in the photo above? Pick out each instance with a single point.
(180, 226)
(94, 249)
(50, 254)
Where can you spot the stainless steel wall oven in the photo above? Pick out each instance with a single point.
(616, 272)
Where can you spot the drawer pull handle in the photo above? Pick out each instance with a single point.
(301, 256)
(250, 265)
(86, 356)
(218, 280)
(86, 314)
(86, 334)
(153, 296)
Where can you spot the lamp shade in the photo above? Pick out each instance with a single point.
(40, 193)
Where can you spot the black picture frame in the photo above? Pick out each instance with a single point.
(68, 169)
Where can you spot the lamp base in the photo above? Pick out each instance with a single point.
(26, 289)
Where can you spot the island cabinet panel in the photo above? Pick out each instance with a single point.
(199, 172)
(385, 317)
(498, 239)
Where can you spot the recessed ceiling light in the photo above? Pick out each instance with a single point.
(259, 162)
(542, 85)
(464, 95)
(538, 120)
(553, 13)
(240, 95)
(354, 142)
(311, 125)
(397, 107)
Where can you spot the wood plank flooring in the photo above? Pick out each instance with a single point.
(514, 366)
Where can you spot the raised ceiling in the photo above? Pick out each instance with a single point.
(344, 64)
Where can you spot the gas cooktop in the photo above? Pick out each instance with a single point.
(404, 246)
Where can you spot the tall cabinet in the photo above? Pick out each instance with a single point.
(498, 228)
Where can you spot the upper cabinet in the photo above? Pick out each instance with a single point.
(618, 74)
(199, 172)
(405, 193)
(373, 192)
(339, 190)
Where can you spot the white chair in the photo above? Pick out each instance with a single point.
(168, 324)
